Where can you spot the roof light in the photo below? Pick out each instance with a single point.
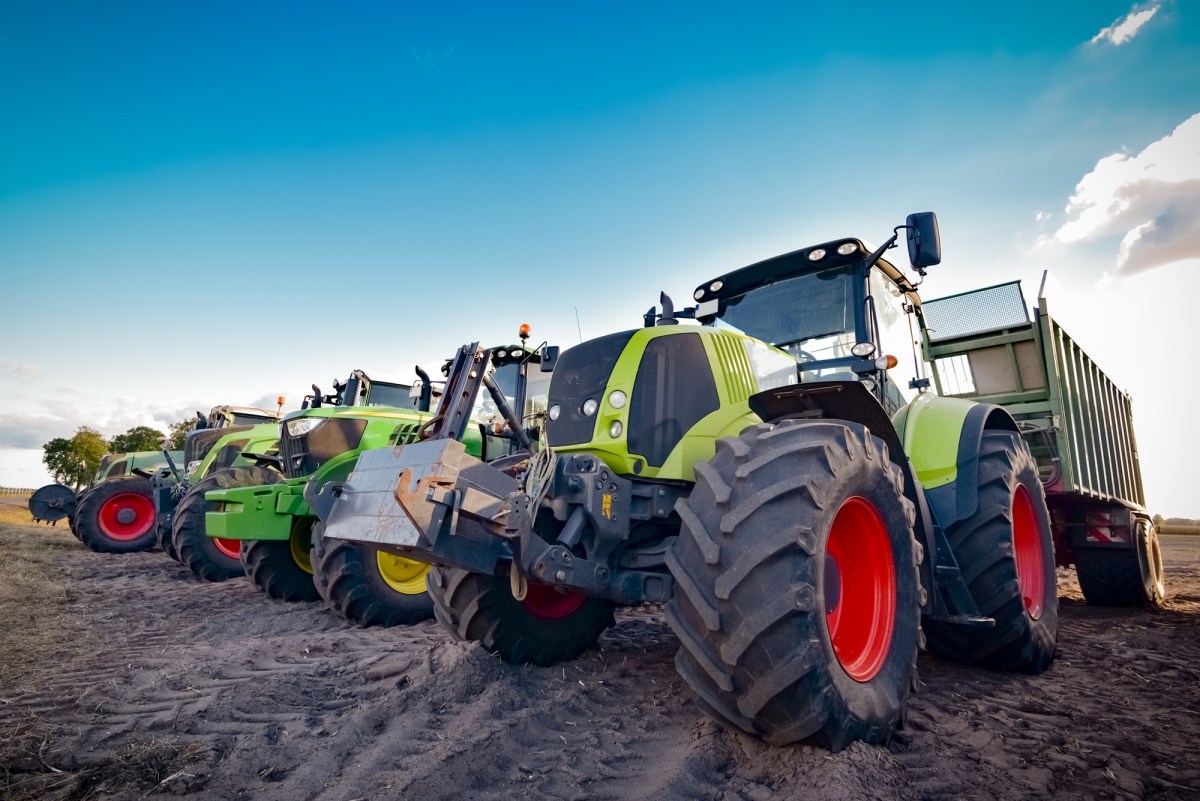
(715, 286)
(846, 248)
(523, 331)
(816, 254)
(699, 293)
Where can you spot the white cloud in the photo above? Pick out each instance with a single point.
(1041, 216)
(25, 373)
(1151, 200)
(1127, 27)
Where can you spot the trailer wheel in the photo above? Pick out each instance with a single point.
(547, 627)
(1006, 554)
(282, 568)
(210, 558)
(1123, 577)
(368, 586)
(117, 516)
(796, 598)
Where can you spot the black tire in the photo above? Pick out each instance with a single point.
(78, 500)
(777, 637)
(361, 583)
(1123, 577)
(281, 568)
(164, 526)
(117, 516)
(207, 558)
(1011, 519)
(481, 608)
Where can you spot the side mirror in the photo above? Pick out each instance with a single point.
(549, 355)
(924, 241)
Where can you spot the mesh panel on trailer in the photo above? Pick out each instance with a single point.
(991, 309)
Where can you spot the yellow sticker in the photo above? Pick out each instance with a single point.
(606, 505)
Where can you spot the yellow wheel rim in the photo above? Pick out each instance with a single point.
(403, 575)
(299, 544)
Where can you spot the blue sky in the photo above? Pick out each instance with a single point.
(219, 203)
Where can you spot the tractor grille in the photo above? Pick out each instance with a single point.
(304, 454)
(673, 391)
(581, 373)
(199, 443)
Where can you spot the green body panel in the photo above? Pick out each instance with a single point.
(736, 380)
(258, 440)
(125, 463)
(257, 513)
(930, 428)
(267, 513)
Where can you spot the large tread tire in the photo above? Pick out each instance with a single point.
(281, 568)
(789, 523)
(78, 500)
(1123, 577)
(481, 608)
(350, 578)
(987, 546)
(165, 526)
(117, 516)
(200, 553)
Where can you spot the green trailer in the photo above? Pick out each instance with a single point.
(1079, 425)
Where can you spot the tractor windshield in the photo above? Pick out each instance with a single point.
(398, 396)
(809, 316)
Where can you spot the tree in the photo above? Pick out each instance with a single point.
(179, 431)
(138, 438)
(74, 461)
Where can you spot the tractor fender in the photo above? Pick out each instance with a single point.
(942, 437)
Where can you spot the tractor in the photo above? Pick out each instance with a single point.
(115, 512)
(808, 517)
(278, 522)
(230, 438)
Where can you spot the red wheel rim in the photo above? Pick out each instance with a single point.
(545, 602)
(1027, 551)
(231, 548)
(860, 589)
(126, 516)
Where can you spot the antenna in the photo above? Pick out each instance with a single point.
(577, 328)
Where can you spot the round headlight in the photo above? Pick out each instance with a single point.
(863, 349)
(615, 429)
(191, 466)
(715, 286)
(303, 425)
(699, 293)
(846, 248)
(617, 399)
(589, 407)
(555, 411)
(816, 254)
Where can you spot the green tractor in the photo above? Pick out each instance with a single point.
(278, 522)
(808, 519)
(217, 453)
(115, 512)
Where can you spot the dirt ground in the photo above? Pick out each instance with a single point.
(165, 685)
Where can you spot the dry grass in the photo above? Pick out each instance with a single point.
(28, 771)
(1177, 529)
(17, 513)
(36, 591)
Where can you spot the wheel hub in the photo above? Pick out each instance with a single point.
(126, 516)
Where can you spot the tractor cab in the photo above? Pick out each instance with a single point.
(840, 309)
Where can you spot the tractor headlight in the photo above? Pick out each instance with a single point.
(303, 425)
(191, 466)
(589, 407)
(615, 429)
(555, 411)
(863, 349)
(816, 254)
(617, 399)
(699, 293)
(846, 248)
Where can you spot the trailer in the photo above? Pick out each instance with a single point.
(983, 345)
